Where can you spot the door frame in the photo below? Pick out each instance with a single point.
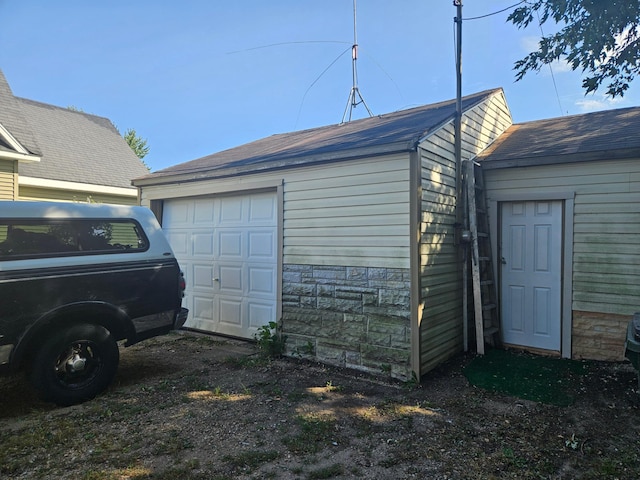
(566, 277)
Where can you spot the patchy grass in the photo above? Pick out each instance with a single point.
(190, 408)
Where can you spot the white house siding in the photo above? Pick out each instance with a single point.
(606, 244)
(440, 261)
(8, 176)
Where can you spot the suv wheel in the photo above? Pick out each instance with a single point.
(75, 364)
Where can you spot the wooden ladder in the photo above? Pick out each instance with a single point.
(485, 301)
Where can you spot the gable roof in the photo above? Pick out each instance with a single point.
(399, 131)
(73, 146)
(606, 135)
(14, 122)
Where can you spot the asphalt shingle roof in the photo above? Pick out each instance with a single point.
(393, 132)
(602, 135)
(74, 146)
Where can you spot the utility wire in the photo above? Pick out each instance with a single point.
(285, 43)
(553, 77)
(494, 13)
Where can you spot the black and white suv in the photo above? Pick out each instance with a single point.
(74, 280)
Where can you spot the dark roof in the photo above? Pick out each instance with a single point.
(73, 146)
(606, 135)
(399, 131)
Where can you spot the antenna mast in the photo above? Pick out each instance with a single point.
(355, 98)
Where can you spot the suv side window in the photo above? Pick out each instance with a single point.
(32, 238)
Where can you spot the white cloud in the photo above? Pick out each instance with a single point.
(601, 102)
(529, 44)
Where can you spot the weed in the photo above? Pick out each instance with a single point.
(171, 444)
(270, 340)
(412, 383)
(330, 387)
(316, 432)
(572, 442)
(249, 461)
(306, 350)
(326, 472)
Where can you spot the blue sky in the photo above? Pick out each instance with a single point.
(195, 77)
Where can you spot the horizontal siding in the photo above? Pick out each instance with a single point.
(440, 264)
(606, 225)
(353, 213)
(7, 179)
(54, 195)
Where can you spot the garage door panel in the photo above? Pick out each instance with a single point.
(262, 209)
(202, 243)
(231, 211)
(231, 280)
(177, 213)
(261, 245)
(230, 244)
(202, 277)
(203, 212)
(231, 312)
(260, 314)
(261, 282)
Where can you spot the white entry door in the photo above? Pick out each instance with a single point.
(531, 266)
(227, 247)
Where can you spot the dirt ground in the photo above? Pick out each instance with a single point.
(188, 406)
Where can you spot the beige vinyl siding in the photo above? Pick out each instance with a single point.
(352, 213)
(440, 261)
(8, 179)
(57, 195)
(606, 226)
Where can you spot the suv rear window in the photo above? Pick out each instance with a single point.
(30, 238)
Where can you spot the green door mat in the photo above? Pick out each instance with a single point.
(542, 379)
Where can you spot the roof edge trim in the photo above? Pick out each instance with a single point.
(159, 178)
(594, 156)
(76, 186)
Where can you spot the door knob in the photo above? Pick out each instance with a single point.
(503, 261)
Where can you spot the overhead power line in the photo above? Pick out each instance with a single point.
(494, 13)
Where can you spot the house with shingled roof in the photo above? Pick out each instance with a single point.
(50, 153)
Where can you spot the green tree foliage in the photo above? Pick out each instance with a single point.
(599, 37)
(137, 143)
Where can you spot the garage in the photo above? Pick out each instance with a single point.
(227, 248)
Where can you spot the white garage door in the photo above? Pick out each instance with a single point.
(227, 247)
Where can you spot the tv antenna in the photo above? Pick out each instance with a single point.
(355, 97)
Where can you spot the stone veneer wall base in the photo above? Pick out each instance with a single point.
(353, 317)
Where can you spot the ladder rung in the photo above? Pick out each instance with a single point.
(490, 331)
(489, 306)
(486, 282)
